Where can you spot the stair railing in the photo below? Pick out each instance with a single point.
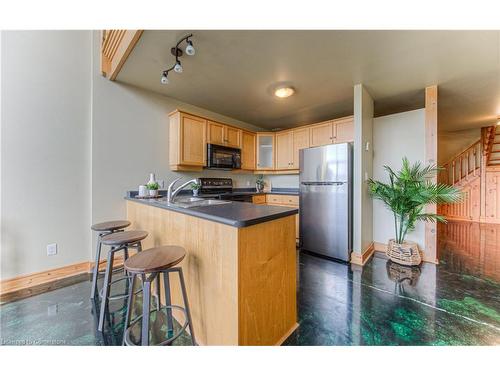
(462, 166)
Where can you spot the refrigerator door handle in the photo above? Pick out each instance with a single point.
(323, 183)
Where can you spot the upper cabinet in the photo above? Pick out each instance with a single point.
(322, 134)
(337, 131)
(344, 130)
(187, 141)
(284, 150)
(301, 139)
(224, 135)
(248, 147)
(265, 151)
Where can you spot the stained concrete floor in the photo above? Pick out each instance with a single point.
(454, 303)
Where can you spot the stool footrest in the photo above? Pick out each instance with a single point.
(118, 296)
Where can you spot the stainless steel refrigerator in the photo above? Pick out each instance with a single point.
(326, 200)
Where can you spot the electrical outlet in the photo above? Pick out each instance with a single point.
(52, 249)
(161, 183)
(52, 310)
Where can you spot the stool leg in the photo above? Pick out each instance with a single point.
(107, 287)
(168, 302)
(95, 272)
(158, 292)
(146, 300)
(186, 305)
(128, 314)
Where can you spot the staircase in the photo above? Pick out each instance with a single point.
(476, 172)
(493, 146)
(464, 172)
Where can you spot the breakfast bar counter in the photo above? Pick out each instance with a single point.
(240, 267)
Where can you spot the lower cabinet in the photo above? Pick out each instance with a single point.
(281, 200)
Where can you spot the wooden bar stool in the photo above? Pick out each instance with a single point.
(103, 229)
(149, 265)
(118, 241)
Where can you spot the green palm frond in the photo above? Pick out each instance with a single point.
(408, 192)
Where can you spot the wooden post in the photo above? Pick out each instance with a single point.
(431, 124)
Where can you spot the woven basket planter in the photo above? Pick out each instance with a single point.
(406, 253)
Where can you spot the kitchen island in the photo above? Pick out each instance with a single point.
(240, 267)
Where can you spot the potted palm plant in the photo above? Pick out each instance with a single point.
(406, 195)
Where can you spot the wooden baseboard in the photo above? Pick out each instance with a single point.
(361, 259)
(41, 282)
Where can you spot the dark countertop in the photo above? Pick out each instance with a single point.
(236, 214)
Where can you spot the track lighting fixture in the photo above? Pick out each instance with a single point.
(164, 78)
(177, 52)
(178, 67)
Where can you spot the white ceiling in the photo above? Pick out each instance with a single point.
(233, 73)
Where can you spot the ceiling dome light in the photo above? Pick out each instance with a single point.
(178, 67)
(164, 79)
(190, 49)
(284, 92)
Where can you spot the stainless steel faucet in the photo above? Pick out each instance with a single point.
(171, 193)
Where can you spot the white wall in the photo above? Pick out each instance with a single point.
(45, 149)
(363, 166)
(394, 137)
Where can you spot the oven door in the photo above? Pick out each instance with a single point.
(220, 157)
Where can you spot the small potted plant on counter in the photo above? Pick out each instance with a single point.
(195, 186)
(406, 195)
(259, 184)
(153, 188)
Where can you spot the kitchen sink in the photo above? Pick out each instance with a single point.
(196, 202)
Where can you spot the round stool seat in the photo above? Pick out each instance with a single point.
(155, 259)
(110, 225)
(122, 238)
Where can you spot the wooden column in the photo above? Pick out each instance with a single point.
(431, 121)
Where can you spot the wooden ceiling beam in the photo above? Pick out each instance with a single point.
(116, 46)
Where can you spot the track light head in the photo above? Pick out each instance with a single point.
(190, 49)
(164, 78)
(178, 67)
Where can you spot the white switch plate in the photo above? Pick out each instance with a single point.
(52, 249)
(52, 310)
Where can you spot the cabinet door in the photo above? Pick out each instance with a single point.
(232, 137)
(284, 142)
(248, 151)
(322, 134)
(344, 131)
(193, 140)
(215, 133)
(300, 141)
(265, 151)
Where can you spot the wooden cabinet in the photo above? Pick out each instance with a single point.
(187, 141)
(300, 140)
(224, 135)
(284, 150)
(344, 130)
(285, 200)
(332, 132)
(265, 151)
(232, 137)
(322, 134)
(215, 133)
(248, 146)
(259, 199)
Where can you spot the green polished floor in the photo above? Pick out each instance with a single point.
(454, 303)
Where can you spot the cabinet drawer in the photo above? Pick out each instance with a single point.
(259, 199)
(291, 200)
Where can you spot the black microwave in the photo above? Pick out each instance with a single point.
(222, 157)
